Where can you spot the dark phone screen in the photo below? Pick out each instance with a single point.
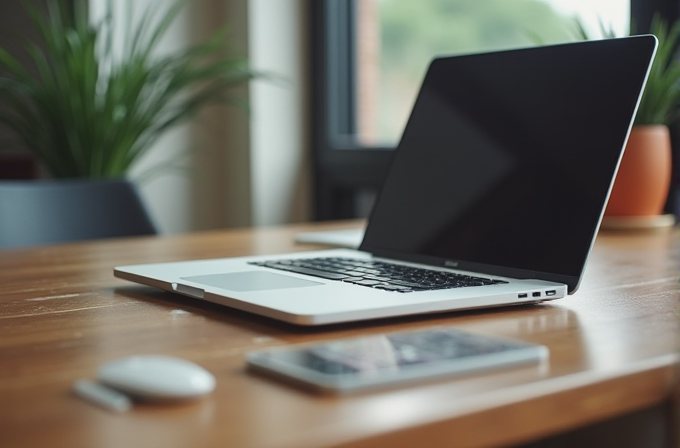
(397, 351)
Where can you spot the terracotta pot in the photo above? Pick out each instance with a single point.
(644, 177)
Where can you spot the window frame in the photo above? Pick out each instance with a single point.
(342, 167)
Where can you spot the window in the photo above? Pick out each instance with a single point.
(369, 57)
(396, 39)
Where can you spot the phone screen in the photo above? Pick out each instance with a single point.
(393, 357)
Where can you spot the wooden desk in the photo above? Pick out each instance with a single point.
(62, 313)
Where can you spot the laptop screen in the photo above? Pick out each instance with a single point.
(508, 157)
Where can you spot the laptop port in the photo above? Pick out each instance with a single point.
(552, 292)
(535, 294)
(522, 295)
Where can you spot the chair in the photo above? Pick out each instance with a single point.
(35, 213)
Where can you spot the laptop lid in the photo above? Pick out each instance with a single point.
(507, 160)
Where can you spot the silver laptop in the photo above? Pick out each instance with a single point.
(494, 196)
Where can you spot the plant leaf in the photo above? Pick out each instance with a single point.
(87, 112)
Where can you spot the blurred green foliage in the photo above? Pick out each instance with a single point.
(413, 32)
(86, 111)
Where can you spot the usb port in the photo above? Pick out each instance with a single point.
(535, 294)
(552, 292)
(522, 295)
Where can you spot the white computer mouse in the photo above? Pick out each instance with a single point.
(155, 377)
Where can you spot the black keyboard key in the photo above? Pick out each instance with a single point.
(351, 273)
(406, 283)
(367, 282)
(375, 277)
(308, 271)
(394, 288)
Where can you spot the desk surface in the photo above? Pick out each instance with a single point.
(62, 313)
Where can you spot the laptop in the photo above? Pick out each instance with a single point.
(494, 196)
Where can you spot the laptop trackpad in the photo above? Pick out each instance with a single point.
(251, 281)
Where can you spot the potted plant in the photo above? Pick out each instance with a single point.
(88, 112)
(643, 180)
(89, 108)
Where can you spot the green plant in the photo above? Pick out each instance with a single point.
(89, 109)
(661, 98)
(659, 103)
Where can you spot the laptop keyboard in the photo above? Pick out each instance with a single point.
(377, 274)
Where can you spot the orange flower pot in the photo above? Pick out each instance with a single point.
(644, 177)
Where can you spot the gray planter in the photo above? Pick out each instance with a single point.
(48, 212)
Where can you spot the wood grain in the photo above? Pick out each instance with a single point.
(613, 349)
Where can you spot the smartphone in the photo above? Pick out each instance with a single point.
(364, 362)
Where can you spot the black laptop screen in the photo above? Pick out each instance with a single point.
(507, 157)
